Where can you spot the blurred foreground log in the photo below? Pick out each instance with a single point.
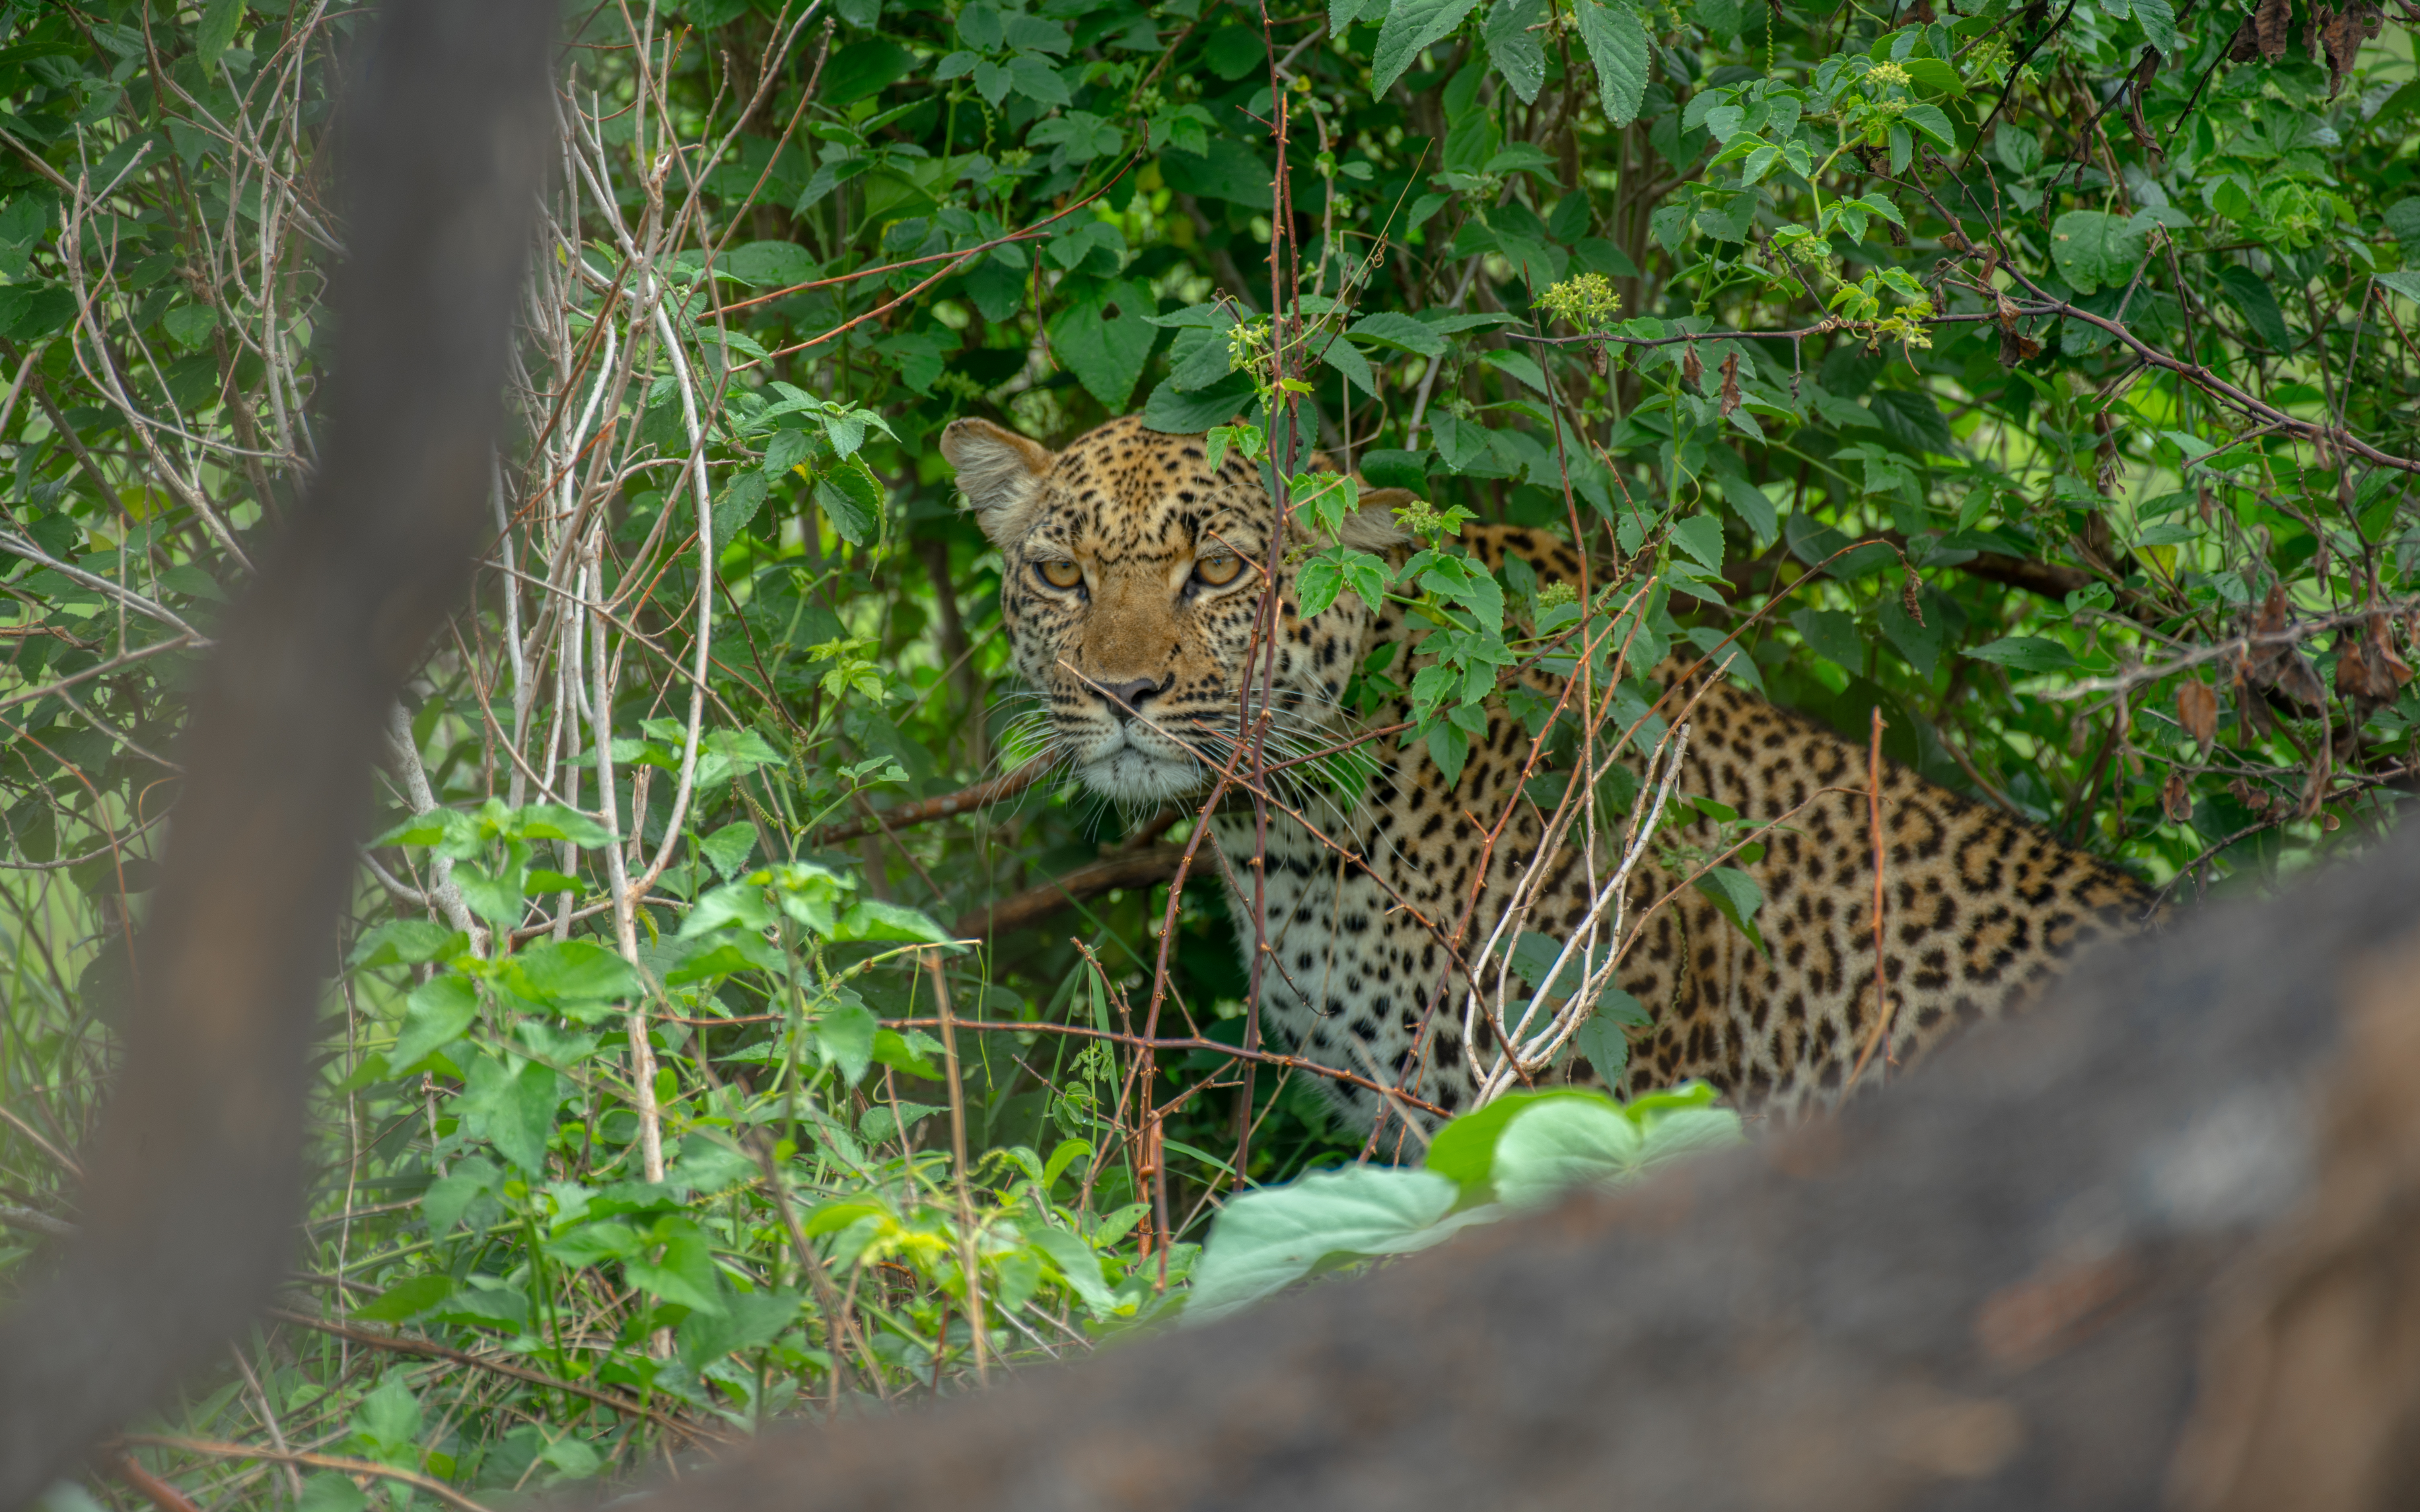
(195, 1180)
(2157, 1245)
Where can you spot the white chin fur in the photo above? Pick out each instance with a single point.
(1128, 776)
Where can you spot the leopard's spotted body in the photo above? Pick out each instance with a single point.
(1127, 609)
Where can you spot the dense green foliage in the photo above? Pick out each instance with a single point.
(2038, 375)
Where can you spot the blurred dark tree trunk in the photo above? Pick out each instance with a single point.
(2157, 1245)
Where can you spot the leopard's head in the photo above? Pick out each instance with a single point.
(1132, 575)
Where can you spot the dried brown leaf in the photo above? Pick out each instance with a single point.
(2342, 34)
(2280, 663)
(1731, 400)
(2271, 23)
(1692, 370)
(2367, 669)
(1908, 596)
(2175, 797)
(2245, 44)
(2198, 711)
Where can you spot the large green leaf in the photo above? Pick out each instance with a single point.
(1617, 44)
(1518, 53)
(1103, 335)
(2091, 248)
(1266, 1240)
(1411, 25)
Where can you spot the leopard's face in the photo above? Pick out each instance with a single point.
(1132, 583)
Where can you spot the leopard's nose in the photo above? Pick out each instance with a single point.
(1125, 698)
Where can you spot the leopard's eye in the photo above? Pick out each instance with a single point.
(1219, 568)
(1060, 573)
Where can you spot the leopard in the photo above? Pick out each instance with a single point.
(1134, 564)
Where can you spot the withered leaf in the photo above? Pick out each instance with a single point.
(2271, 21)
(2367, 669)
(2198, 711)
(1692, 370)
(1909, 598)
(1731, 400)
(2016, 346)
(2245, 44)
(2175, 797)
(2279, 663)
(2342, 34)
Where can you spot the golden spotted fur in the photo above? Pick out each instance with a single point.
(1139, 660)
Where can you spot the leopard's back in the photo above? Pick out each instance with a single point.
(1980, 906)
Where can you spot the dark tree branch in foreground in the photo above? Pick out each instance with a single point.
(195, 1179)
(2157, 1242)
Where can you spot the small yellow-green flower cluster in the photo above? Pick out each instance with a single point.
(1906, 325)
(1422, 521)
(1585, 301)
(1557, 592)
(1248, 343)
(1887, 73)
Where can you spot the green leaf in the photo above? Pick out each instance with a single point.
(1516, 53)
(1832, 635)
(519, 1107)
(2159, 22)
(685, 1274)
(1343, 356)
(874, 919)
(2026, 653)
(553, 821)
(2252, 294)
(1173, 412)
(850, 496)
(845, 1038)
(1735, 894)
(1077, 1264)
(407, 942)
(388, 1420)
(434, 1016)
(1410, 27)
(2091, 248)
(574, 971)
(1550, 1148)
(2405, 284)
(221, 18)
(328, 1491)
(1105, 335)
(1036, 79)
(1701, 537)
(1933, 74)
(728, 848)
(1602, 1040)
(407, 1299)
(1933, 123)
(1266, 1239)
(1617, 44)
(1463, 1152)
(894, 1050)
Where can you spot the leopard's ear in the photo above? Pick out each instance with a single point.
(1000, 474)
(1373, 527)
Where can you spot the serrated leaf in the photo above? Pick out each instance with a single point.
(434, 1016)
(572, 971)
(1617, 44)
(2026, 653)
(850, 496)
(1737, 897)
(1410, 27)
(1401, 330)
(1516, 52)
(2159, 22)
(1701, 537)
